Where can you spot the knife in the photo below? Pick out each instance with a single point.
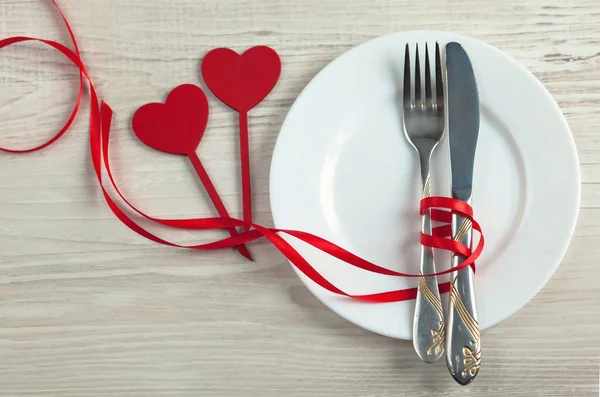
(463, 342)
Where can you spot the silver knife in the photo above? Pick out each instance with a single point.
(463, 341)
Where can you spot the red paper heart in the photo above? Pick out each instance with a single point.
(241, 81)
(177, 125)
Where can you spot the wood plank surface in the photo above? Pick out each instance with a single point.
(88, 308)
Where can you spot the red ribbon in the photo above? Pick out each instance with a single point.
(100, 123)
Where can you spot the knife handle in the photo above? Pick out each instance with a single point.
(463, 343)
(429, 330)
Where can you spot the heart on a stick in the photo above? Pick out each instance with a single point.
(241, 81)
(177, 126)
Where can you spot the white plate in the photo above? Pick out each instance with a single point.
(343, 170)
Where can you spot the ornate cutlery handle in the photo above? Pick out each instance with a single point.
(428, 327)
(463, 346)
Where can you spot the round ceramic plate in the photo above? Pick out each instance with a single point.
(342, 169)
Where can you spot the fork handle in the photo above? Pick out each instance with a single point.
(428, 325)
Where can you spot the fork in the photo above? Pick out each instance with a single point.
(423, 125)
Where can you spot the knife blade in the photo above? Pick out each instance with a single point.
(463, 343)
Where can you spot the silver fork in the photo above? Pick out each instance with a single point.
(424, 124)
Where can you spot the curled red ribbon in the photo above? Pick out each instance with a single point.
(100, 123)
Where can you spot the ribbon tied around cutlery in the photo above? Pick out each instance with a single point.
(146, 125)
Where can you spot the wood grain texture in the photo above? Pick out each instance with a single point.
(88, 308)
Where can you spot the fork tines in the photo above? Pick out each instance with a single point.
(429, 99)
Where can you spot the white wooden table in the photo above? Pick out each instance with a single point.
(88, 308)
